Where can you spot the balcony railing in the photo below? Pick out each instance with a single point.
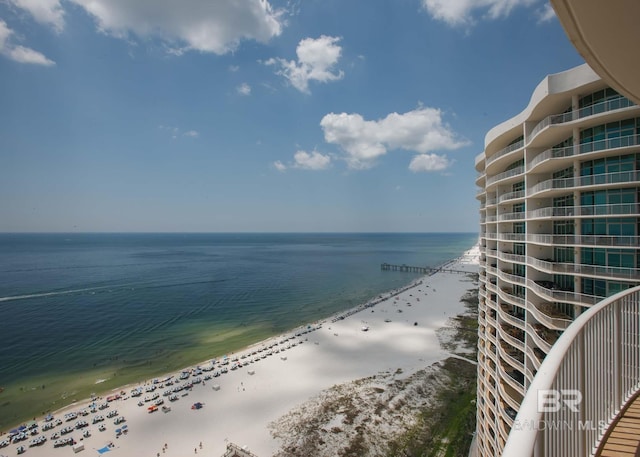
(584, 181)
(553, 153)
(511, 196)
(553, 294)
(504, 175)
(512, 216)
(505, 151)
(545, 314)
(596, 356)
(511, 236)
(585, 211)
(585, 240)
(587, 270)
(603, 107)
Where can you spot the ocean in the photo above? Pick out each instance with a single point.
(90, 312)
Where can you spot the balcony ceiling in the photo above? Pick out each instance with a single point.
(606, 34)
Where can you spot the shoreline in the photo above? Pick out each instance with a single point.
(309, 340)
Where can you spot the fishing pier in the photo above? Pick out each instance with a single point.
(422, 270)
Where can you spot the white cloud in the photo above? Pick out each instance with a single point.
(19, 53)
(421, 130)
(244, 89)
(311, 161)
(47, 12)
(461, 12)
(546, 13)
(429, 162)
(206, 26)
(303, 160)
(279, 166)
(233, 68)
(191, 134)
(316, 60)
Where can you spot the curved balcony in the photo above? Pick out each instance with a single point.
(518, 216)
(511, 196)
(492, 252)
(504, 314)
(622, 209)
(502, 419)
(492, 270)
(517, 171)
(480, 179)
(546, 290)
(629, 274)
(552, 153)
(584, 182)
(490, 236)
(507, 396)
(513, 279)
(492, 218)
(597, 356)
(535, 360)
(585, 240)
(537, 339)
(508, 356)
(509, 257)
(512, 378)
(595, 109)
(508, 414)
(503, 152)
(509, 236)
(510, 337)
(508, 296)
(491, 202)
(547, 315)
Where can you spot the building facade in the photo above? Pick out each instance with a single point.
(559, 231)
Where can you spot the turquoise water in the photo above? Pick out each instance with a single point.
(74, 302)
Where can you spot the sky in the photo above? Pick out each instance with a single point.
(259, 115)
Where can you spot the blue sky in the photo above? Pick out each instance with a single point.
(255, 115)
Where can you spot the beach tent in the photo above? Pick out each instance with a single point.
(78, 447)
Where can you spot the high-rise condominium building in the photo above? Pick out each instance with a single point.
(559, 197)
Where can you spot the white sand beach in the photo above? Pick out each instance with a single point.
(398, 333)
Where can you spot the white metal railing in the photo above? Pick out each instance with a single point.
(504, 175)
(598, 355)
(585, 240)
(553, 153)
(585, 210)
(563, 295)
(511, 236)
(512, 216)
(583, 269)
(597, 108)
(546, 317)
(502, 152)
(584, 181)
(511, 195)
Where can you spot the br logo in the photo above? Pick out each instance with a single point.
(551, 401)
